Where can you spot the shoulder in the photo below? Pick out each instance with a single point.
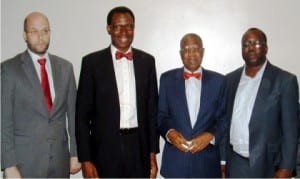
(94, 58)
(234, 73)
(142, 54)
(279, 72)
(60, 60)
(213, 74)
(171, 73)
(12, 63)
(212, 77)
(97, 54)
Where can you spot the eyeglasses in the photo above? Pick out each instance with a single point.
(191, 49)
(256, 44)
(127, 27)
(38, 32)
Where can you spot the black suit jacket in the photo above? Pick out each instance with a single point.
(98, 110)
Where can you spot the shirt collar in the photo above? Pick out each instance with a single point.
(113, 50)
(198, 70)
(35, 57)
(259, 74)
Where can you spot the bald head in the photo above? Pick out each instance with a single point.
(191, 51)
(35, 16)
(37, 33)
(190, 36)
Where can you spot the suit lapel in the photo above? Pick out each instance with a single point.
(110, 77)
(232, 86)
(56, 76)
(32, 76)
(180, 95)
(137, 66)
(262, 94)
(205, 90)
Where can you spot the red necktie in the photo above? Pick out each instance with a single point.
(128, 55)
(45, 84)
(187, 75)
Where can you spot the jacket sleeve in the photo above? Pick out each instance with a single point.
(8, 156)
(289, 122)
(71, 100)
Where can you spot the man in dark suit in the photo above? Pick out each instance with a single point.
(38, 94)
(117, 106)
(263, 108)
(297, 170)
(191, 115)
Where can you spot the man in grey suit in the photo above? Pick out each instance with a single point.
(38, 94)
(263, 109)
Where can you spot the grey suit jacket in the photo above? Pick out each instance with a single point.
(274, 122)
(33, 139)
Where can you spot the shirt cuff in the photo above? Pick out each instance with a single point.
(167, 135)
(213, 141)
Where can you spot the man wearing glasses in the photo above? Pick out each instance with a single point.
(38, 95)
(191, 115)
(263, 109)
(116, 106)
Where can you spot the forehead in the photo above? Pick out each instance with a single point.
(191, 41)
(252, 35)
(36, 20)
(121, 17)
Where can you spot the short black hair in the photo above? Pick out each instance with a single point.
(259, 31)
(120, 9)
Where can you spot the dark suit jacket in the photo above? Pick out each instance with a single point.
(297, 170)
(173, 114)
(31, 137)
(274, 122)
(98, 110)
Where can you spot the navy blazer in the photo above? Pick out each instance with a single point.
(274, 122)
(98, 110)
(173, 114)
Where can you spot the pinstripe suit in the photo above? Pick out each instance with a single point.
(173, 114)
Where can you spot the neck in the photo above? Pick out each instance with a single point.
(252, 71)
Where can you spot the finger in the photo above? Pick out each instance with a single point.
(182, 147)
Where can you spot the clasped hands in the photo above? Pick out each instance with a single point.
(195, 145)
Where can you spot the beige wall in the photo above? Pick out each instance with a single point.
(79, 27)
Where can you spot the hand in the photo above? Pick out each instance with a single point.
(75, 166)
(178, 141)
(283, 173)
(200, 142)
(12, 172)
(153, 165)
(223, 171)
(89, 170)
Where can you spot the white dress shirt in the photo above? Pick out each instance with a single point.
(193, 95)
(242, 111)
(125, 77)
(37, 67)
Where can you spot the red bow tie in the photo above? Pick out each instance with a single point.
(128, 55)
(187, 75)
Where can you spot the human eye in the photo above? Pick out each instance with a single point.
(32, 32)
(129, 27)
(117, 27)
(45, 31)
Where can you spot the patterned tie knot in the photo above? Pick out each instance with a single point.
(187, 75)
(128, 56)
(42, 61)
